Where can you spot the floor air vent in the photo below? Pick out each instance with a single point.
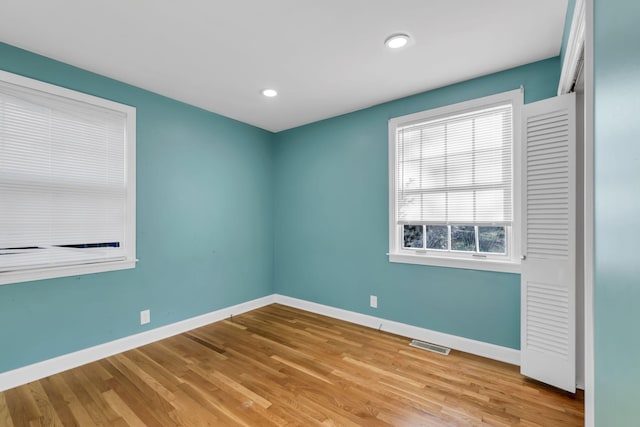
(431, 347)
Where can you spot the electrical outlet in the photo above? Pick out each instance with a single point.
(145, 317)
(373, 301)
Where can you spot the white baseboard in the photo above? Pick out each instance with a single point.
(36, 371)
(492, 351)
(65, 362)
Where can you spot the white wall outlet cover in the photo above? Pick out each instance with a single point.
(145, 317)
(373, 301)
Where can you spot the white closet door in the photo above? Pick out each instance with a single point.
(549, 226)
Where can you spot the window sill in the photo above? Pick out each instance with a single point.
(469, 264)
(72, 270)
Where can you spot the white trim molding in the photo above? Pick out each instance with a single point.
(580, 44)
(509, 262)
(575, 48)
(36, 371)
(62, 264)
(589, 222)
(467, 345)
(464, 263)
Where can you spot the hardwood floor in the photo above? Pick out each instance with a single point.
(282, 366)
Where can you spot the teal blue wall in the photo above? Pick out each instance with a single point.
(311, 203)
(204, 186)
(617, 211)
(331, 221)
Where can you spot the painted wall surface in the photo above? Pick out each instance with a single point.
(331, 221)
(204, 185)
(311, 203)
(617, 211)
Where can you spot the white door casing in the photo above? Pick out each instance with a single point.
(548, 288)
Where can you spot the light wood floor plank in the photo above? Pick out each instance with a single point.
(5, 415)
(280, 366)
(48, 415)
(119, 406)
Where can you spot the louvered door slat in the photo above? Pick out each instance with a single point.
(548, 272)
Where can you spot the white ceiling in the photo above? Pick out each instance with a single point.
(325, 57)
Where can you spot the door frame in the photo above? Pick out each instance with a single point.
(581, 40)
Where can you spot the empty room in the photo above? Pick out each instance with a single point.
(358, 213)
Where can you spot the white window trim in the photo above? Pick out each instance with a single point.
(130, 226)
(509, 263)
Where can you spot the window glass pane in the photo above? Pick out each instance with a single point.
(410, 178)
(459, 136)
(413, 236)
(435, 205)
(433, 173)
(410, 207)
(492, 239)
(493, 130)
(491, 167)
(460, 170)
(438, 237)
(433, 141)
(491, 203)
(411, 144)
(463, 238)
(460, 206)
(463, 156)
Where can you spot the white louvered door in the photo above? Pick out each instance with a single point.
(549, 226)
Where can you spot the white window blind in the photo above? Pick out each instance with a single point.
(64, 184)
(456, 169)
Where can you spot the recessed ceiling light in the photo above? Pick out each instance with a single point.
(270, 93)
(396, 41)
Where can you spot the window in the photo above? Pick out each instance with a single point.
(452, 174)
(67, 182)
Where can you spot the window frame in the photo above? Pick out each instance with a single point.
(449, 250)
(459, 259)
(130, 169)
